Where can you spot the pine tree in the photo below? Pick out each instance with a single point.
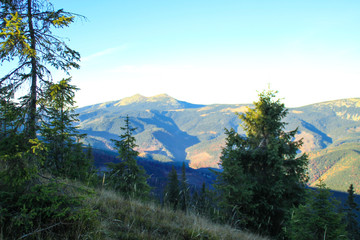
(351, 215)
(172, 190)
(65, 154)
(127, 176)
(184, 190)
(263, 177)
(201, 200)
(14, 146)
(26, 34)
(319, 218)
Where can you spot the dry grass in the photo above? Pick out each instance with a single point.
(132, 219)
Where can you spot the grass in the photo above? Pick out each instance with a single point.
(132, 219)
(102, 214)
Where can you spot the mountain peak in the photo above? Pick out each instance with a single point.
(138, 98)
(162, 98)
(129, 100)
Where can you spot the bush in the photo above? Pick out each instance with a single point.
(46, 211)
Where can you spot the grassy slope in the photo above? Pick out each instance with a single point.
(131, 219)
(338, 167)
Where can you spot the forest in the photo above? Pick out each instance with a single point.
(51, 189)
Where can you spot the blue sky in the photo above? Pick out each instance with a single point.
(207, 51)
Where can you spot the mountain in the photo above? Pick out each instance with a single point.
(169, 130)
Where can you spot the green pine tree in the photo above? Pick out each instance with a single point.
(184, 190)
(65, 153)
(127, 176)
(319, 218)
(351, 215)
(26, 35)
(172, 190)
(201, 201)
(263, 177)
(16, 169)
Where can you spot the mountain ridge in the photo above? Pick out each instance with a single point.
(170, 130)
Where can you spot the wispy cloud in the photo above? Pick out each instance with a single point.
(104, 52)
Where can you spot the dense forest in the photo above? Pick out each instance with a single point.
(51, 189)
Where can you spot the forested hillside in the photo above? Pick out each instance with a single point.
(169, 130)
(120, 170)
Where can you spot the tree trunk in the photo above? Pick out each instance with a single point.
(33, 87)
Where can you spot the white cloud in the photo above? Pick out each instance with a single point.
(104, 52)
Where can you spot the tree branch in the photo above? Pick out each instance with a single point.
(39, 230)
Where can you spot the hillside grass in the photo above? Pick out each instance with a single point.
(122, 218)
(338, 166)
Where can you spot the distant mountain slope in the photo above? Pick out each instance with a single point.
(169, 130)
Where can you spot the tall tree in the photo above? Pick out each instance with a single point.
(172, 190)
(184, 190)
(26, 35)
(14, 147)
(351, 215)
(65, 155)
(263, 177)
(127, 176)
(318, 218)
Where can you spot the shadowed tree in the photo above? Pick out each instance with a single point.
(351, 215)
(318, 218)
(184, 190)
(127, 176)
(172, 190)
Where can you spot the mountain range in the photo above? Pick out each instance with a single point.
(169, 130)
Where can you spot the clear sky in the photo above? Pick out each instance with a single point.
(216, 51)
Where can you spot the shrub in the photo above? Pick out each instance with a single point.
(46, 211)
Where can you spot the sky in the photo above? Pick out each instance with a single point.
(215, 51)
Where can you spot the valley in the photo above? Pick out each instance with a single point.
(173, 131)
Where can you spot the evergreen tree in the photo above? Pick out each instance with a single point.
(263, 177)
(201, 200)
(319, 218)
(184, 190)
(26, 35)
(65, 154)
(14, 146)
(172, 190)
(351, 215)
(127, 176)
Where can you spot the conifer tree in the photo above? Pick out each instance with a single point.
(351, 215)
(14, 146)
(263, 177)
(319, 218)
(201, 200)
(26, 35)
(172, 191)
(65, 154)
(127, 176)
(184, 191)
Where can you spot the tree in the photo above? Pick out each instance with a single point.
(15, 147)
(319, 218)
(172, 191)
(65, 154)
(127, 176)
(26, 34)
(262, 177)
(351, 215)
(184, 190)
